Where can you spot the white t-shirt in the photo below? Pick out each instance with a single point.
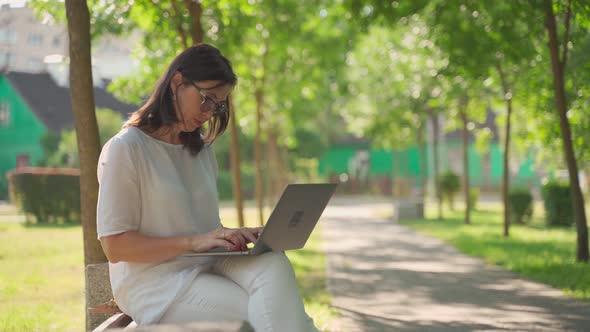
(156, 189)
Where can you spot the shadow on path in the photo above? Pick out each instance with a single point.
(385, 277)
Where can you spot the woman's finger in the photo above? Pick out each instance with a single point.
(249, 235)
(237, 238)
(255, 231)
(225, 244)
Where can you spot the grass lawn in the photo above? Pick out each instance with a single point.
(42, 277)
(534, 251)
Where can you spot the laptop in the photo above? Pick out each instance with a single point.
(290, 223)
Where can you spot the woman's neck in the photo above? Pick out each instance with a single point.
(167, 134)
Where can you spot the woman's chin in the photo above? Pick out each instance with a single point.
(190, 129)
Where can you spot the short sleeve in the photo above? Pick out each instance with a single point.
(119, 202)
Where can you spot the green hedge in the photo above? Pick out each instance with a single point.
(449, 185)
(558, 204)
(50, 195)
(3, 193)
(520, 202)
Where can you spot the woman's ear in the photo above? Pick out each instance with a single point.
(175, 82)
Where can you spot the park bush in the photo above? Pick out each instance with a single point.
(51, 195)
(558, 204)
(520, 202)
(449, 186)
(3, 193)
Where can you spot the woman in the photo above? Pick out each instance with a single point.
(158, 200)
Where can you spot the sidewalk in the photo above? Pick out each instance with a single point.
(385, 277)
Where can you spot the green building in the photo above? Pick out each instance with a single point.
(31, 105)
(365, 168)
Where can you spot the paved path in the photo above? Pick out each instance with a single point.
(385, 277)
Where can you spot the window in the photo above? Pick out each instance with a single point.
(34, 64)
(56, 41)
(6, 59)
(4, 114)
(35, 39)
(7, 35)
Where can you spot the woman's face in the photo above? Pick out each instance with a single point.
(197, 102)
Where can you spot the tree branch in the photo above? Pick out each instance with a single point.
(179, 28)
(195, 11)
(568, 14)
(502, 78)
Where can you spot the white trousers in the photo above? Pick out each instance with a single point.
(259, 289)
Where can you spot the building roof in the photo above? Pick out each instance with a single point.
(51, 103)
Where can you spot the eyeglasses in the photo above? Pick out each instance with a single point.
(208, 104)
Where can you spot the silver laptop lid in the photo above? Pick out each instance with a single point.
(295, 215)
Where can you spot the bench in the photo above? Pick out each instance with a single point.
(122, 321)
(116, 321)
(408, 209)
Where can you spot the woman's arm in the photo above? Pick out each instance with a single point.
(138, 248)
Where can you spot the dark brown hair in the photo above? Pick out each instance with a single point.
(200, 62)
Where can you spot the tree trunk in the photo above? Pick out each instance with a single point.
(506, 174)
(396, 180)
(258, 156)
(259, 97)
(403, 176)
(82, 95)
(423, 152)
(275, 167)
(463, 111)
(195, 11)
(284, 176)
(235, 165)
(436, 164)
(558, 67)
(271, 167)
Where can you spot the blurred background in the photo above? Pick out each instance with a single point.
(443, 105)
(370, 95)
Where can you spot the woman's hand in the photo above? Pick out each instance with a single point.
(229, 238)
(240, 237)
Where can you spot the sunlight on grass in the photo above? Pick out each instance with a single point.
(42, 277)
(541, 253)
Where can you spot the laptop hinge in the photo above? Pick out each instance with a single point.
(260, 248)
